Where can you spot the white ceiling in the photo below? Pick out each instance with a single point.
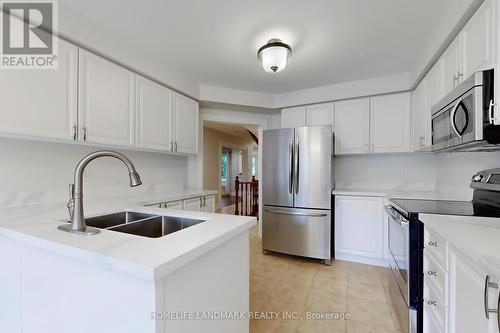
(215, 41)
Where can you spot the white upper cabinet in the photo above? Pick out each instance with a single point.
(293, 117)
(452, 71)
(352, 126)
(106, 101)
(359, 226)
(41, 103)
(434, 84)
(421, 117)
(319, 114)
(390, 123)
(477, 39)
(153, 116)
(185, 120)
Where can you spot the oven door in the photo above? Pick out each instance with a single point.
(398, 243)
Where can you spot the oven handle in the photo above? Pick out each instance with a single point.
(452, 119)
(396, 217)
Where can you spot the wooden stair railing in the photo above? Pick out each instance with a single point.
(247, 197)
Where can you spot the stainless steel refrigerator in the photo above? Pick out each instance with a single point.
(296, 191)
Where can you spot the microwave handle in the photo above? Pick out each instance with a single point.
(491, 113)
(452, 119)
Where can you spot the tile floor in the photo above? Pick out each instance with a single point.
(280, 283)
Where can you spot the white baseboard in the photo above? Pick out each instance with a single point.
(362, 260)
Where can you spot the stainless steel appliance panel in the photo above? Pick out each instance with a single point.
(277, 167)
(303, 232)
(312, 167)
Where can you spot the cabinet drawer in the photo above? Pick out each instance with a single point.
(435, 246)
(435, 275)
(174, 205)
(435, 305)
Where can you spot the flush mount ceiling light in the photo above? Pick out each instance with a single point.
(274, 55)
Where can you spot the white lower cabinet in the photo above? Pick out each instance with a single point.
(359, 227)
(194, 204)
(456, 290)
(174, 205)
(467, 296)
(209, 204)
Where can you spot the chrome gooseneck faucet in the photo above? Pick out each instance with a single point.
(75, 204)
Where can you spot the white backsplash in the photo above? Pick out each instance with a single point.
(39, 172)
(412, 172)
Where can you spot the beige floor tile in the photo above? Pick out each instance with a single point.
(290, 292)
(322, 301)
(261, 284)
(299, 274)
(362, 327)
(367, 291)
(322, 326)
(373, 312)
(271, 268)
(330, 282)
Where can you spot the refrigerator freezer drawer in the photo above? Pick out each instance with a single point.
(302, 232)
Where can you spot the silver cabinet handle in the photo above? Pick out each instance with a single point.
(175, 145)
(74, 132)
(455, 79)
(290, 155)
(366, 148)
(84, 130)
(171, 146)
(487, 285)
(275, 211)
(491, 113)
(432, 243)
(432, 273)
(431, 302)
(204, 202)
(459, 75)
(201, 202)
(373, 147)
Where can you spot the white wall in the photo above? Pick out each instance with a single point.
(454, 170)
(34, 172)
(386, 172)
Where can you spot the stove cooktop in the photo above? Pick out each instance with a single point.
(463, 208)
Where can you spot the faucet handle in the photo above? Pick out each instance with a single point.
(71, 191)
(71, 202)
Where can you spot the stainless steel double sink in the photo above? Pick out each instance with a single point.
(141, 224)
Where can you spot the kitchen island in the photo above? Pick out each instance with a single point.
(192, 280)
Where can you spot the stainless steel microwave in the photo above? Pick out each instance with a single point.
(465, 119)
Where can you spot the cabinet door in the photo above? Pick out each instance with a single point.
(293, 117)
(451, 65)
(352, 126)
(434, 84)
(174, 205)
(106, 101)
(421, 117)
(467, 282)
(194, 204)
(359, 226)
(209, 204)
(186, 129)
(153, 116)
(319, 114)
(41, 103)
(477, 39)
(390, 123)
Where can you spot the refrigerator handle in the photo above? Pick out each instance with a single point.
(290, 166)
(296, 165)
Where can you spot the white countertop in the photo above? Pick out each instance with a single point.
(140, 257)
(399, 194)
(477, 237)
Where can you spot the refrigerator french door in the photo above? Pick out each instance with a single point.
(296, 191)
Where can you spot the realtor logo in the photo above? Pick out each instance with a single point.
(28, 34)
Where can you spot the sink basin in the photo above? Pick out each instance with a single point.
(157, 226)
(111, 220)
